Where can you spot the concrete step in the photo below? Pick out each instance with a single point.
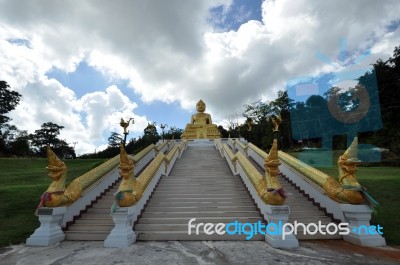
(310, 219)
(185, 220)
(92, 227)
(93, 215)
(203, 192)
(199, 186)
(155, 199)
(86, 235)
(200, 203)
(194, 214)
(198, 208)
(94, 221)
(183, 235)
(99, 210)
(221, 195)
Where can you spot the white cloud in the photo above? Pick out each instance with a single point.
(167, 51)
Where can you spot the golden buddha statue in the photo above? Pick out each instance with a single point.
(201, 126)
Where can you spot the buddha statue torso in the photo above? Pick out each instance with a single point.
(201, 119)
(201, 125)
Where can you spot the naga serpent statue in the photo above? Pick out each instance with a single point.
(129, 191)
(274, 193)
(57, 195)
(347, 189)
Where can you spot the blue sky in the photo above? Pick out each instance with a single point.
(92, 65)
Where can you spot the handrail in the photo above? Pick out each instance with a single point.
(98, 175)
(232, 157)
(131, 190)
(313, 174)
(258, 151)
(147, 174)
(136, 158)
(252, 173)
(243, 146)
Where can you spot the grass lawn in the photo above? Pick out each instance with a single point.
(383, 183)
(22, 182)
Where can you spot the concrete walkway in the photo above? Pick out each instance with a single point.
(199, 252)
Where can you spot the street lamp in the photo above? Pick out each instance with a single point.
(125, 124)
(163, 126)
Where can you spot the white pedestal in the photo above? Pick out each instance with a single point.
(49, 231)
(274, 214)
(122, 235)
(358, 217)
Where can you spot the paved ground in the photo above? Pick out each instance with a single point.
(199, 252)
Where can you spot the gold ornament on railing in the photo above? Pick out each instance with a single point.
(129, 192)
(275, 193)
(347, 189)
(57, 195)
(276, 121)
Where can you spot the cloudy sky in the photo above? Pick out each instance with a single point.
(86, 64)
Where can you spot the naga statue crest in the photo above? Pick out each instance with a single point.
(275, 194)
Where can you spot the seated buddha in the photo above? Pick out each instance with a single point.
(200, 126)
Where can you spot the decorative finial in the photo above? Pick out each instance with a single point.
(351, 153)
(272, 161)
(276, 121)
(125, 165)
(273, 153)
(53, 160)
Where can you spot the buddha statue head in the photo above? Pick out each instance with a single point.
(201, 106)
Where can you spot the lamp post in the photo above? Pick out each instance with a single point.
(125, 124)
(163, 126)
(173, 132)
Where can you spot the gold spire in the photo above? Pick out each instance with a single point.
(125, 165)
(53, 160)
(272, 161)
(351, 153)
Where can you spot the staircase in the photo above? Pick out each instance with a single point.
(96, 223)
(200, 186)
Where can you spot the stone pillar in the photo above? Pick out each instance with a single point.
(122, 235)
(278, 215)
(49, 231)
(361, 232)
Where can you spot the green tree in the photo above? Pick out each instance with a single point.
(114, 140)
(261, 112)
(48, 135)
(8, 101)
(16, 142)
(387, 74)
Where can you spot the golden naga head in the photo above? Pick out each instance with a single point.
(125, 165)
(276, 121)
(349, 160)
(272, 162)
(201, 106)
(351, 153)
(55, 166)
